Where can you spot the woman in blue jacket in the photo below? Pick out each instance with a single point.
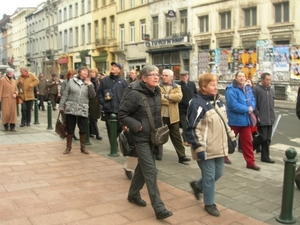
(240, 103)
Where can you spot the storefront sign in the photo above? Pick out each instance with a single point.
(168, 41)
(63, 60)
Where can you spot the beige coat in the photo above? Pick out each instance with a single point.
(175, 96)
(8, 102)
(27, 87)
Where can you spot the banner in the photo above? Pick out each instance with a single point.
(281, 59)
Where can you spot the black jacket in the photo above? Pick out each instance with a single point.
(188, 92)
(264, 105)
(132, 112)
(117, 89)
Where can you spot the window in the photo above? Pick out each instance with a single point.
(65, 41)
(82, 35)
(183, 21)
(70, 11)
(104, 30)
(169, 25)
(103, 2)
(60, 40)
(203, 21)
(143, 1)
(82, 7)
(132, 3)
(59, 16)
(96, 29)
(96, 4)
(65, 14)
(131, 25)
(155, 27)
(71, 37)
(282, 12)
(89, 33)
(76, 36)
(76, 9)
(225, 20)
(250, 17)
(89, 7)
(122, 4)
(112, 27)
(122, 37)
(143, 29)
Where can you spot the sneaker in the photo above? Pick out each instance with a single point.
(196, 189)
(212, 210)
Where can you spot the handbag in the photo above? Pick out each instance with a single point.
(126, 146)
(253, 119)
(60, 127)
(160, 135)
(231, 147)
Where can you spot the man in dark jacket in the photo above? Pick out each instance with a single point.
(188, 90)
(132, 114)
(41, 90)
(264, 96)
(110, 94)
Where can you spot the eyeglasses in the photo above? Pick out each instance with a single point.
(153, 74)
(164, 75)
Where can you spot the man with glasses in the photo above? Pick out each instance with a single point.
(171, 95)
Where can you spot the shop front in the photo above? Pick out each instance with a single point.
(63, 61)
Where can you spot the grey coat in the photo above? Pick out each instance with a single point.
(75, 98)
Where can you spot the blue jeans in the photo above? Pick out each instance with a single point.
(212, 170)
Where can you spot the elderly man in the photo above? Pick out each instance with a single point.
(41, 90)
(26, 83)
(171, 95)
(54, 93)
(188, 89)
(132, 76)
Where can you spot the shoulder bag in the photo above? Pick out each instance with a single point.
(231, 147)
(160, 135)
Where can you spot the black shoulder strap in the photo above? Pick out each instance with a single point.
(150, 118)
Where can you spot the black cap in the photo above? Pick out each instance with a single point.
(117, 65)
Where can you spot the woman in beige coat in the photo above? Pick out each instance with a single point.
(8, 94)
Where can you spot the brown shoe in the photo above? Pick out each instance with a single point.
(186, 144)
(254, 167)
(226, 160)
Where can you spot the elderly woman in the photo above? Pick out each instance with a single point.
(8, 94)
(132, 114)
(206, 133)
(75, 105)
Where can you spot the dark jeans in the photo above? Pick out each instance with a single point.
(175, 136)
(53, 100)
(263, 139)
(108, 128)
(41, 103)
(26, 107)
(145, 172)
(71, 121)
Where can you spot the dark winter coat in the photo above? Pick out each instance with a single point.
(132, 112)
(94, 106)
(188, 92)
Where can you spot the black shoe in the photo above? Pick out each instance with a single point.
(183, 159)
(196, 189)
(240, 150)
(163, 214)
(98, 137)
(128, 174)
(28, 125)
(6, 127)
(43, 110)
(138, 202)
(158, 157)
(212, 210)
(54, 109)
(91, 135)
(22, 125)
(268, 160)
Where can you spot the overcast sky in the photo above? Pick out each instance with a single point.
(9, 6)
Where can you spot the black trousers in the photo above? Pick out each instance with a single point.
(94, 127)
(53, 100)
(26, 107)
(41, 103)
(263, 139)
(71, 121)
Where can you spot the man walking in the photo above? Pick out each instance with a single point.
(26, 83)
(188, 89)
(264, 96)
(110, 94)
(54, 93)
(171, 95)
(41, 89)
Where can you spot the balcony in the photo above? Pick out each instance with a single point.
(99, 42)
(119, 47)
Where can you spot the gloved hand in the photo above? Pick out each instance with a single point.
(234, 143)
(201, 155)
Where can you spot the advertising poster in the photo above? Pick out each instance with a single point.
(295, 54)
(295, 71)
(281, 76)
(204, 60)
(281, 58)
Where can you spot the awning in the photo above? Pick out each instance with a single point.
(169, 49)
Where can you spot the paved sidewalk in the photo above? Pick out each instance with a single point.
(40, 185)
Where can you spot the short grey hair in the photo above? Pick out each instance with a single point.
(24, 68)
(148, 69)
(170, 72)
(9, 71)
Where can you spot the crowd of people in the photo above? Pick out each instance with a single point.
(206, 122)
